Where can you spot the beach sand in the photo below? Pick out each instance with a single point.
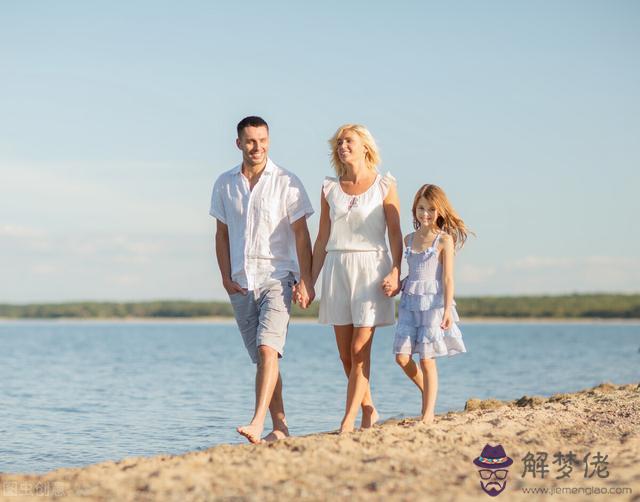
(398, 460)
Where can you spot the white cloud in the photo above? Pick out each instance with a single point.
(554, 275)
(113, 266)
(475, 274)
(538, 262)
(125, 280)
(126, 196)
(44, 269)
(18, 231)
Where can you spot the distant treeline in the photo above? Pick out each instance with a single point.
(567, 306)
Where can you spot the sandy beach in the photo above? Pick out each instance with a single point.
(397, 460)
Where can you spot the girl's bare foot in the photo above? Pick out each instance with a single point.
(428, 418)
(251, 432)
(369, 417)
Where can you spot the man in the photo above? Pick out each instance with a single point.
(493, 470)
(263, 248)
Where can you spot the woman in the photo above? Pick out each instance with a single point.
(359, 280)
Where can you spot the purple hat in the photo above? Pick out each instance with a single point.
(493, 457)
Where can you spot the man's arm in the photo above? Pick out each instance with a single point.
(304, 289)
(223, 254)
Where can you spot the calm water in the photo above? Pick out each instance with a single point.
(75, 393)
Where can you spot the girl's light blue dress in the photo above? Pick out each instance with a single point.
(422, 308)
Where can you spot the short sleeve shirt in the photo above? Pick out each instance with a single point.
(261, 240)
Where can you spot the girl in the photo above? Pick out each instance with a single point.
(427, 315)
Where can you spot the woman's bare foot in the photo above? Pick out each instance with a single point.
(369, 417)
(428, 418)
(251, 432)
(280, 431)
(274, 435)
(345, 427)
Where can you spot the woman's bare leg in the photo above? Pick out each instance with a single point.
(344, 335)
(358, 376)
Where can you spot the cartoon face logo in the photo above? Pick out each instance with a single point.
(493, 463)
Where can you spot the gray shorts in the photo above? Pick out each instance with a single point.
(263, 315)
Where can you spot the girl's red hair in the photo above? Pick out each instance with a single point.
(448, 220)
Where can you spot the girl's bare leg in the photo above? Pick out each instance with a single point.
(359, 375)
(411, 369)
(344, 335)
(430, 391)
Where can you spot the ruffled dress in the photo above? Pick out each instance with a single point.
(357, 258)
(422, 308)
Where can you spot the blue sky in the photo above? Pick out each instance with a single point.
(116, 117)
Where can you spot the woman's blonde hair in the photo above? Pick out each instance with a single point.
(371, 155)
(448, 220)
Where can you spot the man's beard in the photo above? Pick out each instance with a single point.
(493, 491)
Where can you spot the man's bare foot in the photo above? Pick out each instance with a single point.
(428, 418)
(279, 432)
(369, 417)
(251, 432)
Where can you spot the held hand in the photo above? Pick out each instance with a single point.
(303, 295)
(296, 296)
(447, 320)
(391, 283)
(233, 287)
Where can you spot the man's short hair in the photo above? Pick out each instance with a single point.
(251, 121)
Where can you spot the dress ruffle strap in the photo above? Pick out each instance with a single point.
(386, 182)
(328, 184)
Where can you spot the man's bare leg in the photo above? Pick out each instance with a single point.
(344, 335)
(276, 409)
(266, 378)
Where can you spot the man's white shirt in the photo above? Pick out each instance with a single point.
(261, 241)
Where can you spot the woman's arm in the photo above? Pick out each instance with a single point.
(320, 246)
(391, 205)
(447, 276)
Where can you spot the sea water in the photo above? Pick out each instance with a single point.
(74, 393)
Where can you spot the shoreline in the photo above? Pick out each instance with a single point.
(309, 320)
(398, 459)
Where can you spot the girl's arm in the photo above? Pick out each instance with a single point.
(447, 273)
(320, 246)
(391, 205)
